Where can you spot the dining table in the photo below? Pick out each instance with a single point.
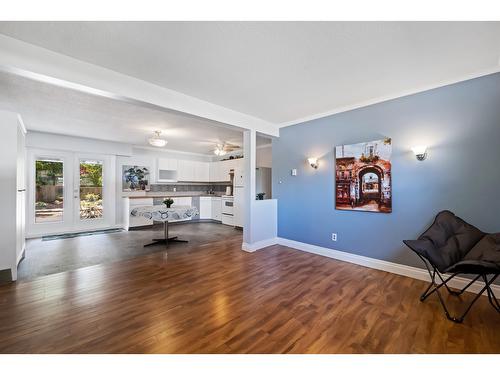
(164, 214)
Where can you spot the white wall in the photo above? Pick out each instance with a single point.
(264, 220)
(263, 181)
(264, 225)
(264, 156)
(8, 189)
(76, 144)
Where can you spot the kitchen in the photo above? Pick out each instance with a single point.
(215, 188)
(83, 178)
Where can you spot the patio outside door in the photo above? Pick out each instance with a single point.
(91, 193)
(69, 192)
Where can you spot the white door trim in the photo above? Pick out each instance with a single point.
(108, 170)
(71, 208)
(36, 229)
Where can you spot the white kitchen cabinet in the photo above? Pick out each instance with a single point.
(172, 170)
(185, 170)
(205, 207)
(226, 167)
(193, 171)
(216, 208)
(167, 170)
(219, 170)
(167, 164)
(201, 171)
(213, 171)
(238, 164)
(182, 201)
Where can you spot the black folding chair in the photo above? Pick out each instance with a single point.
(451, 245)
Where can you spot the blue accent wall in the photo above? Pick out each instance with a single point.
(459, 123)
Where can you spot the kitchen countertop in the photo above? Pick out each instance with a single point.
(162, 194)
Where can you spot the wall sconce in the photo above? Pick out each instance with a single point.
(313, 162)
(420, 152)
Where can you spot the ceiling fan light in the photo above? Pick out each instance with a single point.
(157, 140)
(219, 150)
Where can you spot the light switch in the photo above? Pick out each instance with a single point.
(294, 172)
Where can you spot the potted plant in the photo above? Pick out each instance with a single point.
(168, 202)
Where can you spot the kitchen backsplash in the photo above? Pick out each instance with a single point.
(190, 187)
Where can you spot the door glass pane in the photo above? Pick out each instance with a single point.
(49, 196)
(91, 189)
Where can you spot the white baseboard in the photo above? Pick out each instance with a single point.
(399, 269)
(251, 247)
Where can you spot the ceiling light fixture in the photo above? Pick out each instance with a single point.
(157, 140)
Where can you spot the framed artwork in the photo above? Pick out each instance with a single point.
(363, 176)
(134, 178)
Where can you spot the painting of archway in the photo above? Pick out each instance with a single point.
(363, 176)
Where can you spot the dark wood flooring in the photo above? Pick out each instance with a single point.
(215, 298)
(48, 257)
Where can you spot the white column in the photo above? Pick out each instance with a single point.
(260, 217)
(249, 158)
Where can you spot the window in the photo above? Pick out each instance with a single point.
(49, 194)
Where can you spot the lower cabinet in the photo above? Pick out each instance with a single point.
(216, 209)
(205, 207)
(210, 208)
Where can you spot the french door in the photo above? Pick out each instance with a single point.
(69, 192)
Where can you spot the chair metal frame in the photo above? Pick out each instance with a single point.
(435, 286)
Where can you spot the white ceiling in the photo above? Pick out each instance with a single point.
(54, 109)
(278, 71)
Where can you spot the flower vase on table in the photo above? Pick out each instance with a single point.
(168, 202)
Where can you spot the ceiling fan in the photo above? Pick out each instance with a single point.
(222, 149)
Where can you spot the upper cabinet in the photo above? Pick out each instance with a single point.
(168, 164)
(192, 171)
(220, 170)
(178, 170)
(201, 171)
(185, 171)
(167, 170)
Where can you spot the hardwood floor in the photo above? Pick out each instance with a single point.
(48, 257)
(216, 298)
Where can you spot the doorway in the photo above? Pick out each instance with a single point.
(69, 192)
(370, 180)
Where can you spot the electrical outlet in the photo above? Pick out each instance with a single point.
(334, 236)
